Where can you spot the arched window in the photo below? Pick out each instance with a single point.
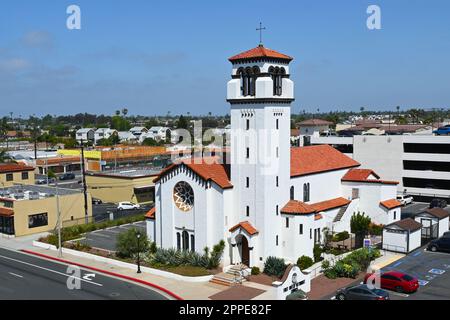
(292, 193)
(277, 77)
(192, 243)
(248, 78)
(306, 192)
(178, 241)
(185, 237)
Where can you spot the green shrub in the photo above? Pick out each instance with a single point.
(341, 236)
(131, 242)
(317, 252)
(255, 271)
(274, 267)
(174, 258)
(325, 264)
(376, 230)
(304, 262)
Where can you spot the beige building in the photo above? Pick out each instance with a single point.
(13, 173)
(135, 185)
(30, 209)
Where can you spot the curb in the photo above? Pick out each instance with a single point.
(118, 275)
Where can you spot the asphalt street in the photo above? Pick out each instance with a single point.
(106, 239)
(26, 277)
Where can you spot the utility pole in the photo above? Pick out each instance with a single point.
(59, 221)
(83, 173)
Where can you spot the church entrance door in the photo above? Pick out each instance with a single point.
(245, 252)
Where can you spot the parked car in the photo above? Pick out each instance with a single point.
(446, 234)
(67, 176)
(438, 203)
(442, 131)
(128, 206)
(361, 292)
(405, 199)
(441, 244)
(44, 181)
(96, 201)
(397, 281)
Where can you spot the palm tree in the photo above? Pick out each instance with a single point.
(124, 112)
(117, 112)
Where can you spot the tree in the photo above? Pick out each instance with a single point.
(150, 142)
(182, 123)
(4, 157)
(129, 244)
(120, 124)
(124, 112)
(360, 224)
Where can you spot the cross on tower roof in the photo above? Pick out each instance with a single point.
(260, 29)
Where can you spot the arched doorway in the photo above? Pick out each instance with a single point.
(245, 252)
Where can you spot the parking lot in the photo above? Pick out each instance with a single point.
(102, 211)
(412, 209)
(106, 239)
(433, 271)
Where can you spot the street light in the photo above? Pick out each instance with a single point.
(138, 236)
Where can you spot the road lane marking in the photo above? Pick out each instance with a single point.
(15, 275)
(100, 235)
(50, 270)
(397, 264)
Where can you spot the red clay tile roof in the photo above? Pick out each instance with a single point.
(297, 208)
(6, 212)
(361, 175)
(391, 204)
(260, 52)
(438, 213)
(317, 159)
(318, 216)
(330, 204)
(151, 213)
(246, 226)
(315, 122)
(14, 167)
(208, 168)
(407, 224)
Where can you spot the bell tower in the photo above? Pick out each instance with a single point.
(260, 93)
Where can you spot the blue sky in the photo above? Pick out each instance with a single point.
(158, 56)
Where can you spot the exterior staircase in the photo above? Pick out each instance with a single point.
(233, 276)
(340, 214)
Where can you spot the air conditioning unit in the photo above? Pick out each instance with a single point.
(33, 195)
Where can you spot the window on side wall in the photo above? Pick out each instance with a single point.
(25, 176)
(301, 229)
(37, 220)
(9, 177)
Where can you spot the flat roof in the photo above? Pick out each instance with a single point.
(33, 192)
(128, 172)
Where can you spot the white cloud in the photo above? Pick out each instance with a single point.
(38, 39)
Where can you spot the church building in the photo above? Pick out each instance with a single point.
(269, 199)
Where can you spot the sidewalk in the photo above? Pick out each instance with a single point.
(386, 259)
(186, 290)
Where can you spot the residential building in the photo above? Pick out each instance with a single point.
(312, 127)
(85, 135)
(30, 209)
(104, 133)
(138, 131)
(14, 173)
(127, 137)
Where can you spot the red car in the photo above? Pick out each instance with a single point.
(397, 281)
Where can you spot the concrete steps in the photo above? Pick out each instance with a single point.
(231, 277)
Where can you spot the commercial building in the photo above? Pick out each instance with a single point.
(118, 157)
(13, 173)
(421, 163)
(29, 209)
(135, 185)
